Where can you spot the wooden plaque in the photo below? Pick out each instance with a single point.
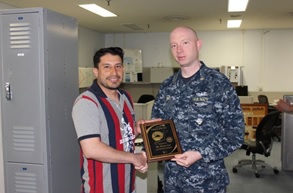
(160, 140)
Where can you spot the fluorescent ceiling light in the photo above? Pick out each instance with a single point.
(233, 23)
(98, 10)
(237, 5)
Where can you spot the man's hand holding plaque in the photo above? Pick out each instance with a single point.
(160, 140)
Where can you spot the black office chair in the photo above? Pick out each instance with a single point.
(263, 99)
(262, 145)
(145, 98)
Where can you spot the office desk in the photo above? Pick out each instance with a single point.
(246, 99)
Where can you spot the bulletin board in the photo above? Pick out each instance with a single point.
(132, 64)
(254, 113)
(133, 60)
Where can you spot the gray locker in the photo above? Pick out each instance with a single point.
(287, 136)
(39, 83)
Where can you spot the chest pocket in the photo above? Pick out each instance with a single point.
(170, 108)
(200, 108)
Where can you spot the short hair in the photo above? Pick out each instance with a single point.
(115, 51)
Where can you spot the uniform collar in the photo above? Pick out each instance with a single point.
(199, 73)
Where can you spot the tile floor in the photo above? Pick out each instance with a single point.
(244, 181)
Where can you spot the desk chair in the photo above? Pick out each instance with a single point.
(263, 99)
(145, 98)
(262, 145)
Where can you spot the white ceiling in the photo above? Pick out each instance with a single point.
(149, 14)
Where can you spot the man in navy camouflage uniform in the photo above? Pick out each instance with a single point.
(207, 115)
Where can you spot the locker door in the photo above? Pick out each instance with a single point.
(22, 178)
(22, 79)
(287, 135)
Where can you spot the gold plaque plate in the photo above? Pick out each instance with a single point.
(160, 140)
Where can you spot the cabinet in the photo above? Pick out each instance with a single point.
(156, 74)
(39, 83)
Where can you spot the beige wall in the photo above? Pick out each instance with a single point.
(266, 55)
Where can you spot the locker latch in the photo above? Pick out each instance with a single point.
(8, 91)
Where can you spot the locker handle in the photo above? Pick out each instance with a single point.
(8, 91)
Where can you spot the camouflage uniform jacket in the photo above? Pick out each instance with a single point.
(208, 118)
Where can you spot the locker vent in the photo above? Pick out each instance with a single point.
(23, 139)
(25, 182)
(20, 35)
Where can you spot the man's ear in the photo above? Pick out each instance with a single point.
(95, 71)
(199, 44)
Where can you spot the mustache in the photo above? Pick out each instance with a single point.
(115, 76)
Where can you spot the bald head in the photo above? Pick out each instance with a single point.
(185, 47)
(184, 30)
